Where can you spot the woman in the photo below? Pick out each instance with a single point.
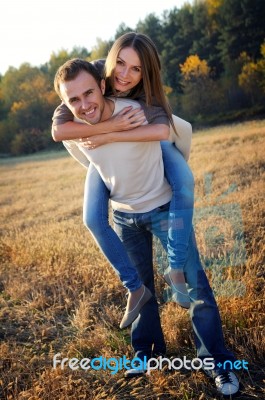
(132, 69)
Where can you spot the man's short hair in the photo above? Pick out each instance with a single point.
(70, 69)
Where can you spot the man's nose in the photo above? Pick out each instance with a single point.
(84, 103)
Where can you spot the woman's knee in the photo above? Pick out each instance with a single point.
(97, 225)
(183, 189)
(88, 220)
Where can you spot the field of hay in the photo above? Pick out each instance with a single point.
(59, 295)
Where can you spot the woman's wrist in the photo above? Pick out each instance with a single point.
(110, 137)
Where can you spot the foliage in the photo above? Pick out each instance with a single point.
(201, 95)
(242, 23)
(100, 50)
(252, 77)
(212, 56)
(152, 27)
(30, 141)
(194, 69)
(122, 28)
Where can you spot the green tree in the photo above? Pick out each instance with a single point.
(35, 102)
(241, 24)
(100, 50)
(8, 129)
(12, 80)
(30, 141)
(178, 34)
(28, 96)
(55, 61)
(152, 27)
(122, 28)
(206, 33)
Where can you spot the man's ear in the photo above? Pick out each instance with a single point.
(103, 86)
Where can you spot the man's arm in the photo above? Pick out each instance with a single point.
(183, 138)
(76, 153)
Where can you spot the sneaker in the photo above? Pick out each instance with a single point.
(136, 300)
(176, 280)
(134, 373)
(227, 383)
(139, 370)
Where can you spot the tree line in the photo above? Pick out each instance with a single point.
(213, 68)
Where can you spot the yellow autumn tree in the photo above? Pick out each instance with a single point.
(213, 6)
(201, 96)
(252, 77)
(194, 69)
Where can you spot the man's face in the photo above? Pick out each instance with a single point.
(84, 97)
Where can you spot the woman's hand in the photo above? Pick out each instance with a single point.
(95, 141)
(126, 119)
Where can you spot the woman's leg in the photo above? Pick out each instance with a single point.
(181, 181)
(96, 219)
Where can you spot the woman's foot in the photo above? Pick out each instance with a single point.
(176, 280)
(135, 302)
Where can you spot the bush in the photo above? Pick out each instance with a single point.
(30, 141)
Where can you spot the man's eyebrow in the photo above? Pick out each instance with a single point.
(138, 66)
(72, 99)
(90, 90)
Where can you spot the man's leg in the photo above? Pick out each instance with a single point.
(147, 336)
(204, 312)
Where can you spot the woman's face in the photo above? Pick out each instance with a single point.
(128, 72)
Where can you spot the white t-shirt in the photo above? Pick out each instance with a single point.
(132, 171)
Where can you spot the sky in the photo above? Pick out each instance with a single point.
(31, 30)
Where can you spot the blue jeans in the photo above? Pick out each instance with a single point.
(95, 216)
(180, 214)
(134, 231)
(96, 219)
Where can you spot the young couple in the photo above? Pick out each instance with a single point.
(130, 168)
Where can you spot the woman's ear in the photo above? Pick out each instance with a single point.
(103, 86)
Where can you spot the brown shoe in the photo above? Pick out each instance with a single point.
(135, 302)
(176, 280)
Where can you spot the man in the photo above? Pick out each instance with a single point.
(137, 218)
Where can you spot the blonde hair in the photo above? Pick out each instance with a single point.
(150, 86)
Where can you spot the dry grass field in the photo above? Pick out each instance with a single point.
(59, 295)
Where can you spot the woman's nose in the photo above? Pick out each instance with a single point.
(125, 72)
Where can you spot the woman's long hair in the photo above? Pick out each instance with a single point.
(150, 87)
